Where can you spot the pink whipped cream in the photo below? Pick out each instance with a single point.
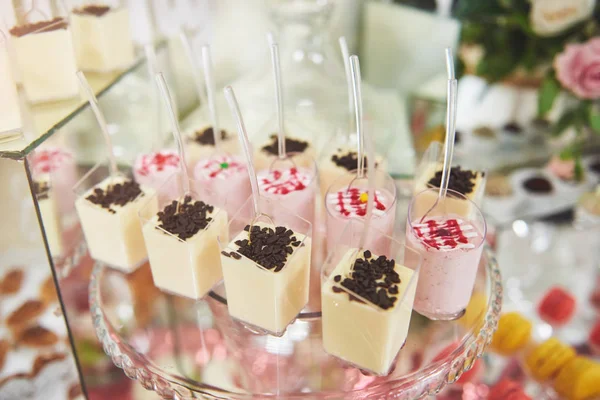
(220, 167)
(156, 163)
(352, 202)
(446, 234)
(60, 165)
(283, 182)
(50, 160)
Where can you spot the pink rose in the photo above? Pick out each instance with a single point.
(578, 68)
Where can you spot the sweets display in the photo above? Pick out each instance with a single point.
(266, 274)
(223, 180)
(45, 49)
(557, 307)
(109, 218)
(48, 207)
(470, 184)
(102, 38)
(10, 113)
(154, 169)
(366, 305)
(201, 145)
(59, 165)
(268, 153)
(183, 246)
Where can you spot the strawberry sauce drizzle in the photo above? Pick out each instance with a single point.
(283, 181)
(356, 206)
(157, 162)
(49, 160)
(446, 233)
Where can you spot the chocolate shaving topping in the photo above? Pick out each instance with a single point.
(538, 184)
(348, 161)
(291, 146)
(118, 195)
(95, 10)
(461, 180)
(41, 190)
(267, 247)
(185, 219)
(39, 27)
(207, 138)
(373, 279)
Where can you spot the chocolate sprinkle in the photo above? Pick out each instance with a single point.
(185, 219)
(348, 161)
(372, 279)
(39, 27)
(267, 247)
(538, 184)
(513, 128)
(226, 254)
(461, 180)
(41, 190)
(118, 194)
(95, 10)
(291, 146)
(207, 138)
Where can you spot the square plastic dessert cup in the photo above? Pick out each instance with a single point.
(114, 238)
(450, 255)
(102, 36)
(263, 300)
(191, 267)
(43, 52)
(355, 329)
(383, 220)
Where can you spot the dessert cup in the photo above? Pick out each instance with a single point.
(10, 112)
(108, 209)
(346, 200)
(267, 286)
(61, 167)
(367, 300)
(101, 37)
(183, 241)
(289, 182)
(226, 177)
(450, 246)
(201, 144)
(154, 170)
(45, 49)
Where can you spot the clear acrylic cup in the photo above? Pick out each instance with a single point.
(383, 219)
(261, 299)
(302, 202)
(355, 329)
(113, 236)
(450, 261)
(188, 267)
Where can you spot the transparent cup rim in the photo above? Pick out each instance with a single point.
(388, 179)
(454, 194)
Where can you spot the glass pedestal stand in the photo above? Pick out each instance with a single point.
(185, 349)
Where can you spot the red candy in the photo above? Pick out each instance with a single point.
(557, 306)
(507, 390)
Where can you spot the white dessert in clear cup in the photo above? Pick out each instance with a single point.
(367, 301)
(346, 199)
(102, 37)
(266, 269)
(183, 245)
(108, 212)
(45, 49)
(450, 246)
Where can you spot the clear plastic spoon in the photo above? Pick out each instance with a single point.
(347, 69)
(356, 88)
(191, 56)
(211, 91)
(278, 96)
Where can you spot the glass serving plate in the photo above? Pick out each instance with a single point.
(185, 349)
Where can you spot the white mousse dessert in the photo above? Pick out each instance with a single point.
(269, 152)
(10, 114)
(201, 145)
(340, 162)
(46, 60)
(469, 183)
(183, 247)
(367, 304)
(102, 38)
(109, 218)
(50, 216)
(266, 273)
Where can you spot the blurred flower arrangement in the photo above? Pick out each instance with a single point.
(553, 45)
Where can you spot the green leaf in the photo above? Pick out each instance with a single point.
(547, 94)
(594, 118)
(566, 120)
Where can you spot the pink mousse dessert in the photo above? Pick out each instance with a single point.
(223, 181)
(451, 248)
(296, 189)
(154, 169)
(60, 166)
(351, 203)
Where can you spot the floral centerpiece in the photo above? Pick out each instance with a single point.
(553, 45)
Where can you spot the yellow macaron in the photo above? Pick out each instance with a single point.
(514, 332)
(579, 379)
(546, 359)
